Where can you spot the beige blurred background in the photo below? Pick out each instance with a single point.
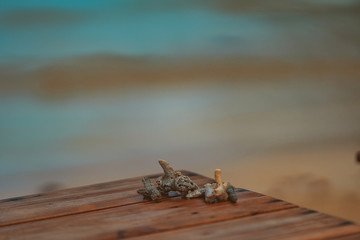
(100, 90)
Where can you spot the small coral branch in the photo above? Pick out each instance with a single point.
(149, 191)
(176, 181)
(166, 183)
(168, 170)
(220, 191)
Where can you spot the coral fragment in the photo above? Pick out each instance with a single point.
(149, 191)
(175, 181)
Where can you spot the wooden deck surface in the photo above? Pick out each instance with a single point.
(114, 210)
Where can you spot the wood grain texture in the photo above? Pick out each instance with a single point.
(296, 223)
(76, 200)
(115, 211)
(348, 237)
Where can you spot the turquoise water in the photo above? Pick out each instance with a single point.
(46, 30)
(40, 134)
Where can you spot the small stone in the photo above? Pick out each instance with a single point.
(232, 194)
(209, 193)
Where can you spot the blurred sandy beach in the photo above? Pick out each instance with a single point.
(268, 92)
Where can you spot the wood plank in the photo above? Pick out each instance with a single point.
(348, 237)
(296, 223)
(144, 218)
(114, 210)
(77, 200)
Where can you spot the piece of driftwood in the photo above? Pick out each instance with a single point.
(114, 210)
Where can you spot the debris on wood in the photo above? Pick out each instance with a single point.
(149, 191)
(231, 192)
(220, 191)
(209, 193)
(175, 181)
(196, 193)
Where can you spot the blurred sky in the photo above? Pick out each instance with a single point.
(99, 90)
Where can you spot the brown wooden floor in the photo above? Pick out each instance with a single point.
(114, 210)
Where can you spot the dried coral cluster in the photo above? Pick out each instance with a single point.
(176, 181)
